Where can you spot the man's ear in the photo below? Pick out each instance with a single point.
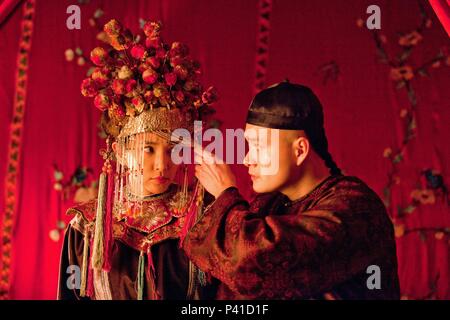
(301, 149)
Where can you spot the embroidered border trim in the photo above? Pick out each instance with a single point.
(14, 147)
(262, 44)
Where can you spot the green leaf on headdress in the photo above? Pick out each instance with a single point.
(141, 23)
(90, 71)
(78, 51)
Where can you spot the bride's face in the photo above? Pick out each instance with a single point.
(159, 170)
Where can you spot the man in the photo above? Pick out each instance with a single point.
(311, 233)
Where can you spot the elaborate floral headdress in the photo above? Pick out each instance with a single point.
(133, 77)
(141, 86)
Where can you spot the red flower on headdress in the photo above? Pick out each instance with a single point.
(150, 76)
(101, 101)
(118, 86)
(160, 90)
(118, 38)
(154, 62)
(178, 49)
(89, 88)
(130, 85)
(148, 96)
(181, 72)
(179, 96)
(142, 67)
(160, 53)
(176, 60)
(117, 111)
(119, 43)
(154, 42)
(138, 51)
(113, 28)
(158, 75)
(99, 56)
(101, 76)
(138, 103)
(171, 78)
(152, 28)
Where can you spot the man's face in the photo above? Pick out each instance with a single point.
(271, 160)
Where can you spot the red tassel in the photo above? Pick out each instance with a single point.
(191, 216)
(150, 265)
(108, 241)
(151, 276)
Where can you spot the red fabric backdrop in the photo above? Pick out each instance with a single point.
(361, 105)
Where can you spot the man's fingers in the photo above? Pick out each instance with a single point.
(198, 169)
(212, 170)
(201, 177)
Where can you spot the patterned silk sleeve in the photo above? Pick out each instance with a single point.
(268, 250)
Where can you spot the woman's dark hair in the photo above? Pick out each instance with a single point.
(293, 107)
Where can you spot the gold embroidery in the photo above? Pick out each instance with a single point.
(155, 120)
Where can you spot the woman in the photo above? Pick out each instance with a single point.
(126, 242)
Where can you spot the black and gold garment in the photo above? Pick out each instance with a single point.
(174, 276)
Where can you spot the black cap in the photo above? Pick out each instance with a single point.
(292, 106)
(286, 106)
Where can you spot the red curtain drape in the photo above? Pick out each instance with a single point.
(442, 10)
(6, 7)
(317, 43)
